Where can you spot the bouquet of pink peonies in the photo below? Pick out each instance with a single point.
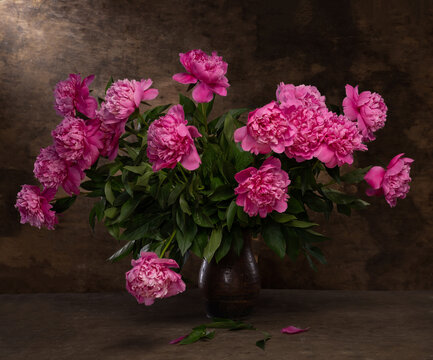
(176, 180)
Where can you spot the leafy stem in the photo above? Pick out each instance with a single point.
(168, 243)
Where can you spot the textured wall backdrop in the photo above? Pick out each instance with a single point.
(384, 46)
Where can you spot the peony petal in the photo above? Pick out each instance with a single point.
(293, 330)
(394, 160)
(184, 78)
(191, 161)
(272, 162)
(178, 340)
(243, 175)
(150, 94)
(280, 206)
(177, 112)
(193, 131)
(240, 133)
(202, 93)
(374, 177)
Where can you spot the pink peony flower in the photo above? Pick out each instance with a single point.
(267, 130)
(393, 182)
(110, 135)
(291, 96)
(77, 142)
(150, 278)
(264, 190)
(73, 94)
(124, 96)
(311, 128)
(52, 171)
(367, 108)
(209, 71)
(34, 206)
(341, 140)
(170, 140)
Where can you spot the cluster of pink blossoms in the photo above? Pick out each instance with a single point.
(151, 278)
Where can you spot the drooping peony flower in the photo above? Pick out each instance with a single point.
(291, 96)
(209, 71)
(124, 96)
(264, 190)
(77, 141)
(268, 129)
(73, 94)
(35, 207)
(52, 171)
(311, 127)
(170, 140)
(393, 182)
(151, 278)
(341, 139)
(367, 108)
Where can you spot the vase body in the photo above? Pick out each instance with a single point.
(231, 287)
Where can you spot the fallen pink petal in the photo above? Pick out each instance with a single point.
(293, 330)
(178, 340)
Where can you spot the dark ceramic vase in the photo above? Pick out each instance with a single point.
(231, 287)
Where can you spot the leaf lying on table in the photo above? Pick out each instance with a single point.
(293, 330)
(262, 342)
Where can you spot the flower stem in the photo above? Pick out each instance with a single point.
(168, 243)
(183, 173)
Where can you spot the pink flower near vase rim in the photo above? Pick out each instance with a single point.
(341, 140)
(267, 129)
(291, 96)
(367, 108)
(171, 141)
(73, 95)
(293, 330)
(35, 208)
(52, 171)
(208, 70)
(263, 190)
(151, 278)
(311, 128)
(392, 182)
(124, 96)
(77, 142)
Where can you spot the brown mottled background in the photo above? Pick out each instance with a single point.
(384, 46)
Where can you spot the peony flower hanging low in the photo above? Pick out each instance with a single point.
(176, 179)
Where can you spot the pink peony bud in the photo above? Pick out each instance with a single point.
(209, 71)
(367, 108)
(73, 94)
(34, 206)
(151, 278)
(268, 129)
(264, 190)
(170, 140)
(392, 182)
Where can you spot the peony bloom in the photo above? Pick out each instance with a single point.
(393, 182)
(209, 71)
(311, 127)
(291, 96)
(150, 278)
(124, 96)
(267, 130)
(367, 108)
(52, 171)
(77, 142)
(264, 190)
(341, 139)
(34, 206)
(110, 135)
(170, 140)
(73, 94)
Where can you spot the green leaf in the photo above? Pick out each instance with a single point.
(355, 176)
(344, 209)
(282, 218)
(338, 197)
(201, 219)
(334, 173)
(294, 206)
(186, 238)
(111, 213)
(63, 204)
(293, 245)
(114, 230)
(359, 204)
(140, 169)
(109, 193)
(121, 199)
(224, 248)
(175, 193)
(184, 205)
(274, 238)
(223, 192)
(242, 215)
(127, 209)
(262, 342)
(143, 180)
(230, 214)
(199, 243)
(237, 240)
(213, 244)
(109, 83)
(317, 254)
(125, 250)
(196, 335)
(315, 202)
(187, 103)
(301, 224)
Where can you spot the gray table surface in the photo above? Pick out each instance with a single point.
(344, 325)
